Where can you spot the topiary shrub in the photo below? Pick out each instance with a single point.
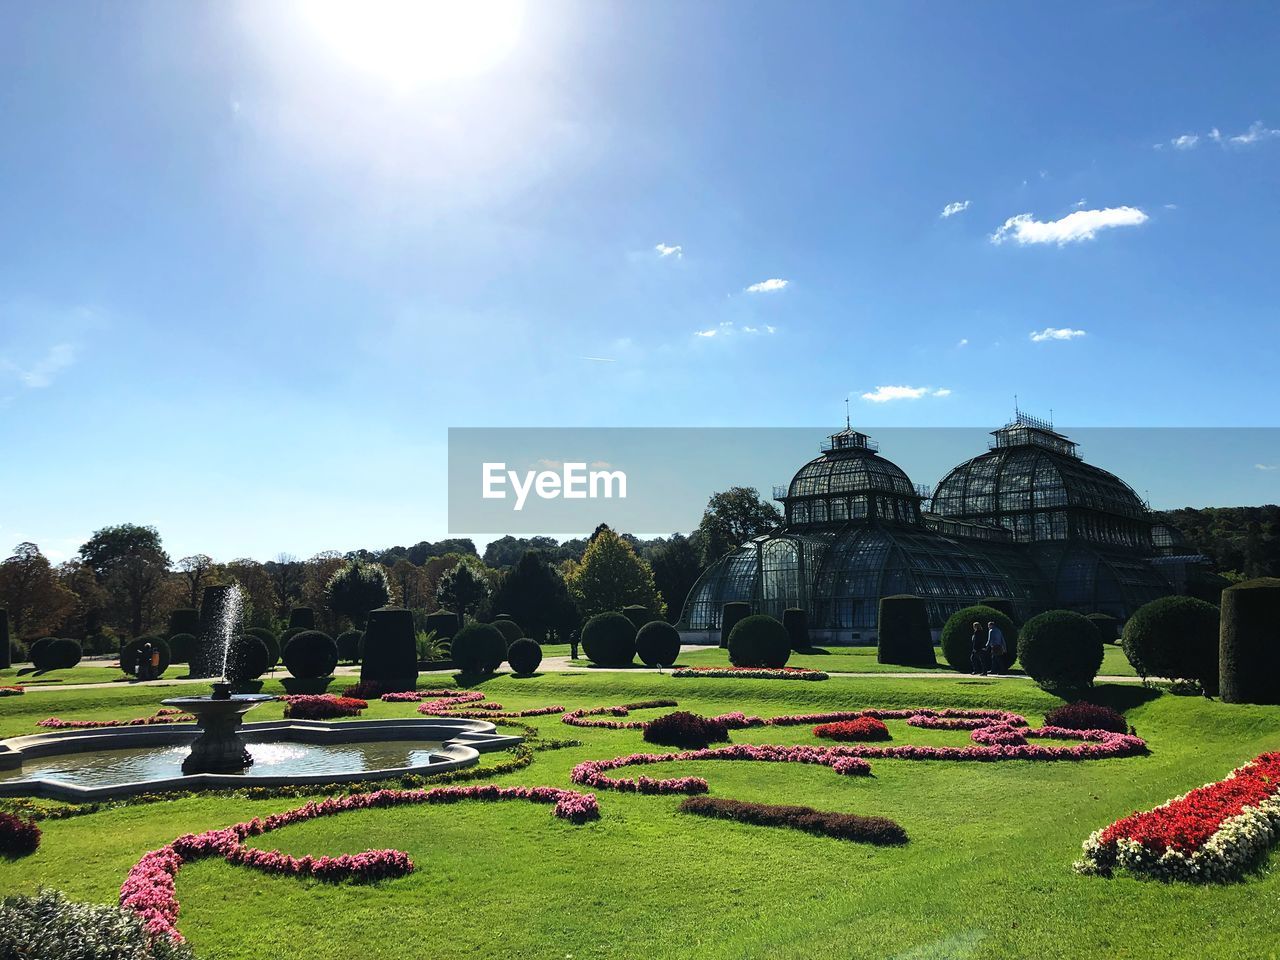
(658, 644)
(349, 645)
(957, 635)
(904, 636)
(310, 655)
(443, 622)
(49, 926)
(685, 729)
(183, 620)
(524, 656)
(639, 615)
(479, 649)
(18, 838)
(59, 653)
(6, 645)
(1060, 649)
(796, 621)
(1003, 604)
(247, 660)
(609, 639)
(1174, 637)
(390, 655)
(510, 630)
(1086, 716)
(269, 640)
(1108, 626)
(1249, 642)
(303, 618)
(129, 654)
(37, 648)
(730, 614)
(182, 647)
(759, 641)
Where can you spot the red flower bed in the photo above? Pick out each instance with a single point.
(685, 729)
(880, 831)
(18, 836)
(321, 706)
(861, 728)
(163, 715)
(11, 691)
(1086, 716)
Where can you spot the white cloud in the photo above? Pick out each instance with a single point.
(1187, 141)
(951, 209)
(768, 286)
(669, 250)
(1073, 228)
(706, 333)
(964, 342)
(1266, 466)
(1255, 133)
(1171, 206)
(1056, 333)
(42, 372)
(885, 394)
(600, 359)
(728, 329)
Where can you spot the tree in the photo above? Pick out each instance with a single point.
(463, 588)
(130, 562)
(733, 517)
(316, 574)
(536, 596)
(676, 569)
(30, 589)
(410, 583)
(356, 588)
(257, 589)
(197, 570)
(85, 619)
(507, 551)
(611, 576)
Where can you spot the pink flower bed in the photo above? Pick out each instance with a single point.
(322, 706)
(18, 835)
(149, 889)
(485, 714)
(577, 718)
(1000, 735)
(163, 715)
(758, 673)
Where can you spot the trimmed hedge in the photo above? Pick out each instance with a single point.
(1060, 649)
(183, 620)
(1003, 604)
(1108, 626)
(759, 641)
(130, 651)
(443, 622)
(903, 636)
(1249, 642)
(957, 635)
(182, 647)
(390, 655)
(1174, 637)
(685, 729)
(248, 658)
(6, 650)
(658, 644)
(60, 653)
(304, 617)
(879, 831)
(310, 655)
(478, 648)
(350, 643)
(730, 614)
(609, 639)
(510, 630)
(796, 621)
(639, 615)
(37, 648)
(269, 640)
(524, 656)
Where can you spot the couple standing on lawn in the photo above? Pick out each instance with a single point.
(988, 650)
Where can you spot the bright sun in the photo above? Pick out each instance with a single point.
(410, 42)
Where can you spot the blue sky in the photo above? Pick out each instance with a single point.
(255, 259)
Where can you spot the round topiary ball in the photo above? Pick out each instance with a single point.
(248, 658)
(36, 650)
(269, 640)
(59, 653)
(658, 644)
(1176, 638)
(310, 654)
(524, 656)
(609, 639)
(349, 642)
(182, 646)
(510, 630)
(130, 652)
(1060, 649)
(957, 635)
(478, 648)
(759, 641)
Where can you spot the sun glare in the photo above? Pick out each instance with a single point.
(411, 42)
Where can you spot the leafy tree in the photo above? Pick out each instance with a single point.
(131, 564)
(258, 590)
(507, 551)
(198, 571)
(733, 517)
(611, 576)
(535, 594)
(287, 579)
(36, 599)
(463, 588)
(86, 617)
(676, 569)
(410, 583)
(316, 574)
(356, 588)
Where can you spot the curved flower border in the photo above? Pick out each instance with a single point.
(12, 691)
(163, 715)
(756, 673)
(592, 773)
(321, 706)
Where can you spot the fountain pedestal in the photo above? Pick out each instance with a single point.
(219, 748)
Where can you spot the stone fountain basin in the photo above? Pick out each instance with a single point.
(461, 742)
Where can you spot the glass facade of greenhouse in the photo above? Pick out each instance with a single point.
(1028, 521)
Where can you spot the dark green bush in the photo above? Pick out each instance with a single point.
(957, 635)
(1005, 606)
(390, 655)
(479, 648)
(658, 644)
(350, 643)
(248, 658)
(130, 651)
(303, 617)
(1107, 625)
(1249, 643)
(61, 653)
(37, 648)
(759, 641)
(524, 656)
(183, 620)
(1060, 649)
(796, 621)
(510, 630)
(49, 926)
(310, 655)
(6, 645)
(443, 622)
(269, 640)
(1176, 638)
(639, 615)
(609, 639)
(730, 614)
(904, 636)
(182, 647)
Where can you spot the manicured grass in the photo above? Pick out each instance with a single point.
(90, 671)
(986, 872)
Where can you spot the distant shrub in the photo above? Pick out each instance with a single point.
(1060, 649)
(639, 615)
(51, 927)
(856, 730)
(904, 636)
(730, 614)
(478, 648)
(684, 729)
(183, 620)
(524, 656)
(18, 836)
(61, 653)
(248, 658)
(182, 647)
(658, 644)
(957, 635)
(1003, 604)
(1174, 637)
(759, 641)
(390, 654)
(131, 652)
(1086, 716)
(796, 620)
(36, 650)
(349, 642)
(303, 617)
(1108, 626)
(609, 639)
(879, 831)
(510, 630)
(443, 622)
(7, 649)
(310, 654)
(1249, 643)
(269, 640)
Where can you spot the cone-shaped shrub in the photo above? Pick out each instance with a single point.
(349, 645)
(759, 641)
(443, 622)
(957, 635)
(5, 657)
(730, 614)
(1249, 642)
(1173, 637)
(510, 630)
(182, 647)
(390, 657)
(184, 620)
(61, 653)
(478, 648)
(247, 659)
(131, 651)
(524, 656)
(609, 639)
(304, 617)
(658, 644)
(796, 621)
(904, 636)
(310, 655)
(206, 659)
(638, 614)
(1060, 649)
(269, 640)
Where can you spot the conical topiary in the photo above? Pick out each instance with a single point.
(390, 659)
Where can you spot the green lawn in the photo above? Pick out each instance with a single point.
(986, 873)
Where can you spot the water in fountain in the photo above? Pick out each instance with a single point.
(227, 625)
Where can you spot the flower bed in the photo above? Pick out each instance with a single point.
(163, 715)
(149, 889)
(858, 729)
(577, 718)
(592, 773)
(18, 836)
(758, 673)
(12, 691)
(949, 719)
(498, 712)
(1214, 833)
(685, 729)
(321, 706)
(1087, 716)
(880, 831)
(1001, 735)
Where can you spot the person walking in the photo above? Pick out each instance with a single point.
(977, 659)
(995, 647)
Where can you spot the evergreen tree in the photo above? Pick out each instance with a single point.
(537, 598)
(611, 576)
